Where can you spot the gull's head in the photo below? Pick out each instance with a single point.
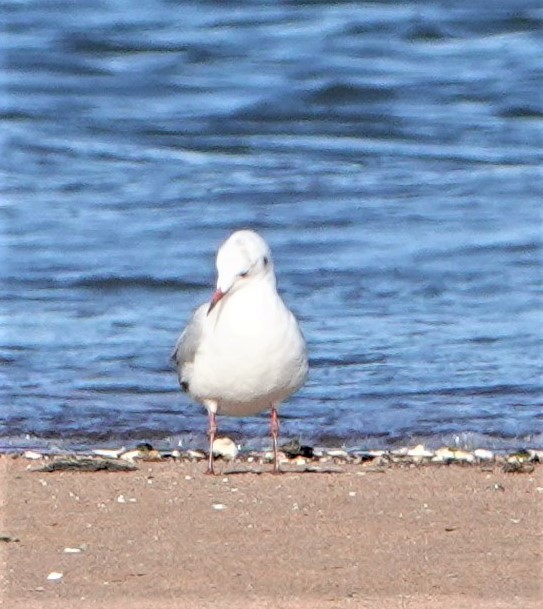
(242, 259)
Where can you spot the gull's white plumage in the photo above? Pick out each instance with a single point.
(244, 352)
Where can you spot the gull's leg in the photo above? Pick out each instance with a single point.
(274, 424)
(211, 433)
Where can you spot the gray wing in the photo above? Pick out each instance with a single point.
(187, 345)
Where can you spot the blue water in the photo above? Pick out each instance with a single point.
(391, 153)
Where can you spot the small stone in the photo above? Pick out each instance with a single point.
(268, 457)
(518, 457)
(225, 448)
(376, 453)
(151, 455)
(352, 493)
(536, 455)
(295, 448)
(462, 455)
(497, 487)
(121, 499)
(483, 454)
(197, 455)
(337, 453)
(30, 454)
(445, 454)
(72, 550)
(419, 452)
(131, 455)
(109, 453)
(219, 506)
(55, 576)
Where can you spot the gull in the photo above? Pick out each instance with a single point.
(243, 352)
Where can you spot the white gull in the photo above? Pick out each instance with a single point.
(243, 352)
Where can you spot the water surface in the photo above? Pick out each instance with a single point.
(391, 155)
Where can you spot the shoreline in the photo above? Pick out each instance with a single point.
(299, 456)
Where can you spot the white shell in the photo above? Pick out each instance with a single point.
(131, 455)
(483, 454)
(225, 448)
(30, 454)
(196, 454)
(453, 454)
(109, 453)
(55, 576)
(337, 452)
(419, 451)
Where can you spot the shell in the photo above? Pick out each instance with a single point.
(419, 452)
(483, 454)
(225, 448)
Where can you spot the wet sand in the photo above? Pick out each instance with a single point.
(168, 536)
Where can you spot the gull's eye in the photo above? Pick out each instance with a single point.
(265, 261)
(244, 274)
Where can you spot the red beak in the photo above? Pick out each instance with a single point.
(216, 297)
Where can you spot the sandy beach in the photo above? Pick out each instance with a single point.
(167, 536)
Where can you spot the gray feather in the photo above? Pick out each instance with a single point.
(187, 345)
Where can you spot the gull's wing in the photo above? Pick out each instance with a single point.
(187, 345)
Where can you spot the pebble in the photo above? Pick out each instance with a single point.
(419, 451)
(55, 576)
(337, 453)
(123, 499)
(453, 454)
(219, 506)
(130, 455)
(268, 457)
(72, 550)
(483, 454)
(536, 455)
(109, 453)
(225, 448)
(462, 455)
(520, 457)
(30, 454)
(198, 455)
